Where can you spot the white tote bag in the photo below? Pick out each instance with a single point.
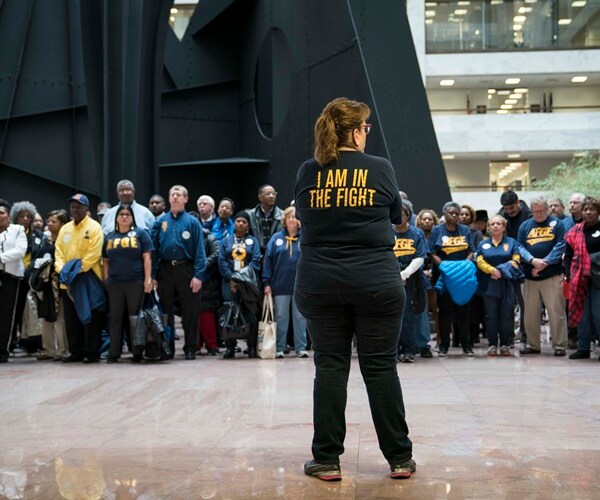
(267, 331)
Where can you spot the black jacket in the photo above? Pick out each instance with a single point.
(513, 223)
(210, 292)
(255, 229)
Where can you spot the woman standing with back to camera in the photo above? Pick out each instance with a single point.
(348, 283)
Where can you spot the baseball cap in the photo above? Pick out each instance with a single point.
(80, 198)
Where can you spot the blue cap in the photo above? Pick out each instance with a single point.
(81, 198)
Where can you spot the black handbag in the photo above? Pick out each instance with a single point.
(418, 294)
(148, 329)
(234, 321)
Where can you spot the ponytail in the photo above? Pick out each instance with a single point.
(337, 120)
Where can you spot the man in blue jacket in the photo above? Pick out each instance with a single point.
(179, 265)
(543, 237)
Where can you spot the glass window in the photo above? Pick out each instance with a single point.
(499, 25)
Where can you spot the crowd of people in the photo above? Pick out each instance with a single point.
(85, 275)
(74, 284)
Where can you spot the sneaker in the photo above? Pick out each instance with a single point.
(409, 358)
(443, 352)
(529, 350)
(280, 355)
(325, 472)
(468, 352)
(560, 352)
(492, 351)
(579, 354)
(302, 354)
(504, 351)
(426, 353)
(403, 470)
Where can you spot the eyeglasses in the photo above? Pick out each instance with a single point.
(366, 127)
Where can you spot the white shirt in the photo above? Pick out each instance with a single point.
(143, 218)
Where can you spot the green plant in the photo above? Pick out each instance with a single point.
(580, 175)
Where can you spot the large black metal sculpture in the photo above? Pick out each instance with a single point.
(85, 98)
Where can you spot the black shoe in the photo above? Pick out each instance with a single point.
(403, 470)
(529, 350)
(560, 352)
(72, 359)
(190, 355)
(579, 354)
(408, 358)
(137, 358)
(442, 352)
(252, 352)
(468, 352)
(213, 352)
(325, 472)
(426, 353)
(89, 361)
(229, 353)
(111, 360)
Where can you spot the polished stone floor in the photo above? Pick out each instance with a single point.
(212, 428)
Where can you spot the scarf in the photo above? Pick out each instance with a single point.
(581, 270)
(289, 243)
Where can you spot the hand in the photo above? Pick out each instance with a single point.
(154, 283)
(267, 290)
(195, 285)
(148, 286)
(535, 273)
(539, 264)
(233, 286)
(427, 274)
(496, 274)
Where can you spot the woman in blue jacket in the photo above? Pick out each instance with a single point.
(237, 251)
(492, 255)
(279, 275)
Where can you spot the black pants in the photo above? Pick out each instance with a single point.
(8, 300)
(84, 340)
(125, 299)
(448, 312)
(176, 280)
(376, 319)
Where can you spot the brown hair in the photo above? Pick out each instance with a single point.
(338, 119)
(285, 213)
(470, 209)
(60, 214)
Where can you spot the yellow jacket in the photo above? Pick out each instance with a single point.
(82, 241)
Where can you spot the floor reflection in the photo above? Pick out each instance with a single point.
(212, 428)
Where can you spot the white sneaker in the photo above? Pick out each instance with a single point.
(302, 354)
(280, 355)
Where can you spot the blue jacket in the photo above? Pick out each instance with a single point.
(505, 288)
(458, 278)
(85, 289)
(250, 252)
(281, 260)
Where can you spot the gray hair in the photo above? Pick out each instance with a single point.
(125, 182)
(22, 206)
(450, 204)
(539, 200)
(207, 198)
(178, 187)
(580, 197)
